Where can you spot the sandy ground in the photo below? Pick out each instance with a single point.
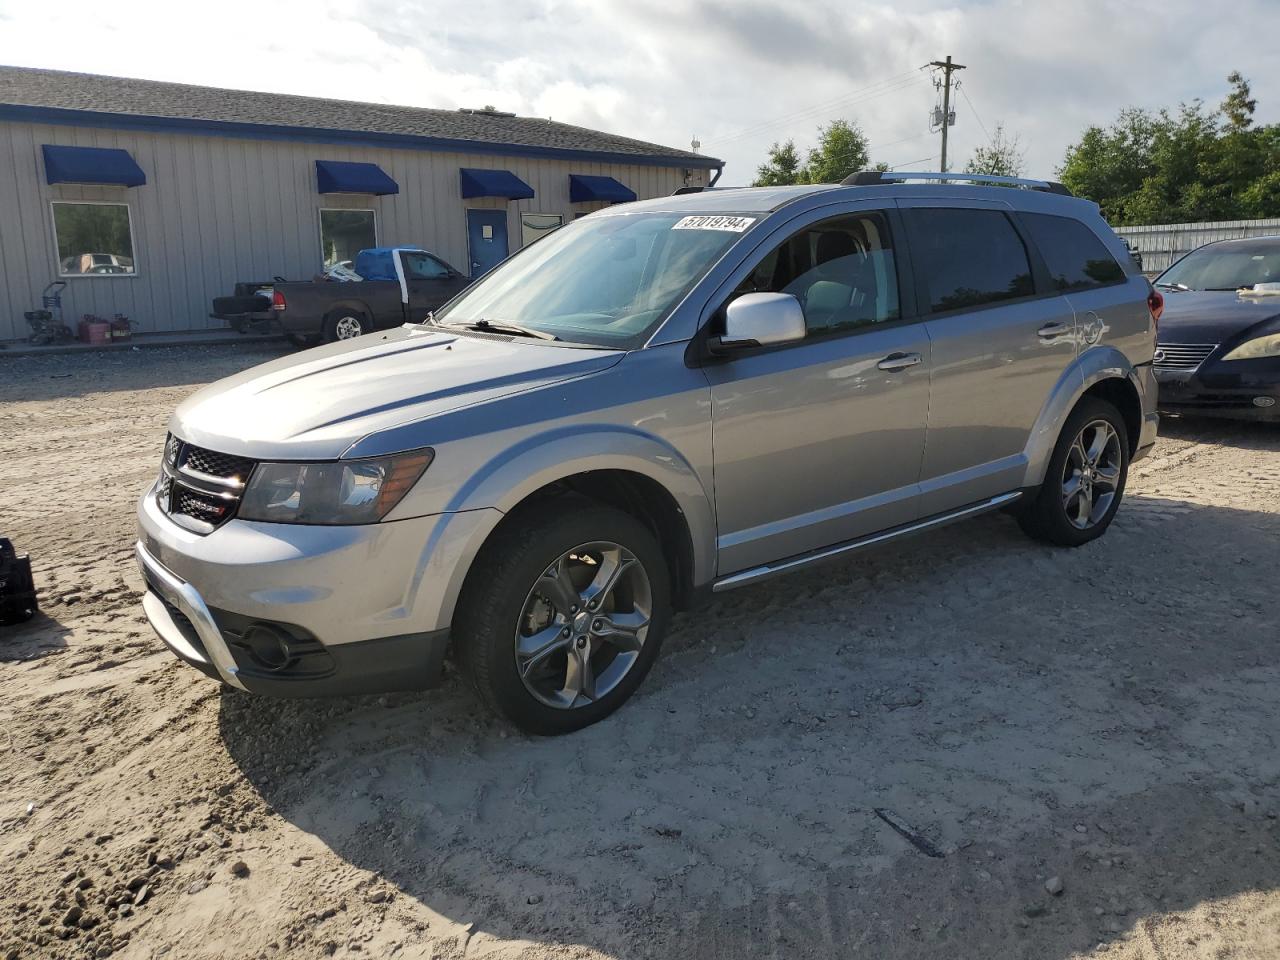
(1106, 716)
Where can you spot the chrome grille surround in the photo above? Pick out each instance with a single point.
(200, 489)
(1182, 356)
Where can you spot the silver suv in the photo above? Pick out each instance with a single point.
(659, 401)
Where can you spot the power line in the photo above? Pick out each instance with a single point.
(960, 87)
(895, 166)
(820, 106)
(852, 99)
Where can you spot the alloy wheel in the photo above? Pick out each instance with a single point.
(348, 327)
(583, 625)
(1091, 474)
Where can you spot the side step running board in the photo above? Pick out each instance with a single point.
(767, 570)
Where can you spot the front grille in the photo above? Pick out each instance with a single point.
(199, 488)
(1182, 356)
(215, 464)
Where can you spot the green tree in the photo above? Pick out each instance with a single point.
(1002, 156)
(842, 149)
(1239, 107)
(782, 168)
(1192, 164)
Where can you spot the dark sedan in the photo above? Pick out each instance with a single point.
(1218, 348)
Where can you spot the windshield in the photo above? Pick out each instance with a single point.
(606, 281)
(1225, 266)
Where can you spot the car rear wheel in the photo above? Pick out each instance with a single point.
(345, 325)
(1085, 480)
(563, 616)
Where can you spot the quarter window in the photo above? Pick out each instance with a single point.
(968, 257)
(1073, 253)
(841, 270)
(344, 233)
(93, 239)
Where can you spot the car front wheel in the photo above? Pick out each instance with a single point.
(563, 615)
(1085, 480)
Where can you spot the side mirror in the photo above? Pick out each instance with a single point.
(760, 320)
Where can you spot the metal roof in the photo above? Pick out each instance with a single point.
(56, 96)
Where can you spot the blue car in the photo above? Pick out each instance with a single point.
(1218, 347)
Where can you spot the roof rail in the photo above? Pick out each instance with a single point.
(870, 178)
(681, 191)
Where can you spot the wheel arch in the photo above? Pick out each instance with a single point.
(633, 493)
(348, 306)
(1102, 372)
(618, 466)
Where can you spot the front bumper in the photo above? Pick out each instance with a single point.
(1217, 393)
(355, 609)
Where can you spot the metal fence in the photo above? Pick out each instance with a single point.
(1162, 244)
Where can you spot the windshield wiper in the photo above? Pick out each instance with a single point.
(1173, 285)
(498, 326)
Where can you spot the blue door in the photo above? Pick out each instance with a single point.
(486, 239)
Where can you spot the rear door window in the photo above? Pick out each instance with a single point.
(968, 258)
(1076, 258)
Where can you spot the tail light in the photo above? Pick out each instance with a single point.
(278, 302)
(1155, 303)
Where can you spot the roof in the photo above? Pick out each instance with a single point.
(54, 96)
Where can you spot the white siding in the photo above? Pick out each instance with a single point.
(216, 210)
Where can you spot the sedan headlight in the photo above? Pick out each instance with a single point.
(341, 492)
(1257, 348)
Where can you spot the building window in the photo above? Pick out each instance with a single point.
(344, 233)
(93, 239)
(535, 226)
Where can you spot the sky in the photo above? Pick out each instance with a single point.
(736, 74)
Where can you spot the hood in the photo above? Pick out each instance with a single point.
(315, 404)
(1211, 316)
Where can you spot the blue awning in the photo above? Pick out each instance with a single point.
(91, 165)
(583, 188)
(493, 183)
(339, 176)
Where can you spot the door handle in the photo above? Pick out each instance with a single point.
(899, 361)
(1051, 331)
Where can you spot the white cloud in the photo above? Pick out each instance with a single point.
(664, 70)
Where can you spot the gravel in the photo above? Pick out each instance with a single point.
(992, 692)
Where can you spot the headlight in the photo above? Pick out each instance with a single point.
(1257, 348)
(341, 492)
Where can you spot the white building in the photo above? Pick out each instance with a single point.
(149, 199)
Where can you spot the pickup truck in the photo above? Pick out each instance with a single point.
(389, 286)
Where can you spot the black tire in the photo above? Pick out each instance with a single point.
(493, 607)
(339, 323)
(1045, 515)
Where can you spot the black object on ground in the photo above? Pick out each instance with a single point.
(17, 588)
(913, 838)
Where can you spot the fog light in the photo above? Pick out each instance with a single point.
(1264, 401)
(269, 646)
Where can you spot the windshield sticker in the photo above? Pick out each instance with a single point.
(732, 224)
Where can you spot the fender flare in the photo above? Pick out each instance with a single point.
(1089, 369)
(537, 461)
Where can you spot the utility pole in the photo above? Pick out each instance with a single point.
(947, 68)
